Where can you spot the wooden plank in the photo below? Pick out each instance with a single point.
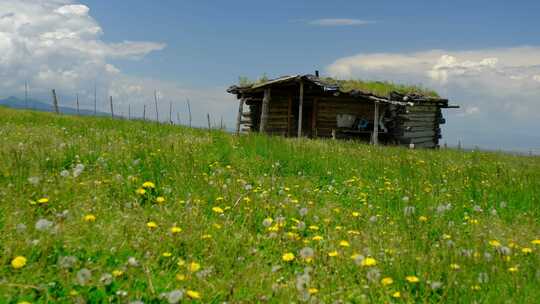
(239, 118)
(289, 116)
(376, 125)
(265, 110)
(314, 118)
(300, 108)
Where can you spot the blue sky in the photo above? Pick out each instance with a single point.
(482, 55)
(213, 43)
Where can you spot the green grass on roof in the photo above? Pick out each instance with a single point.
(380, 88)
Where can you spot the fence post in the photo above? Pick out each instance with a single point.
(55, 102)
(112, 109)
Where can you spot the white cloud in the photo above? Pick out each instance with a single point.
(57, 44)
(498, 89)
(339, 22)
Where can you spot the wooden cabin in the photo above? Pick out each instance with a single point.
(306, 105)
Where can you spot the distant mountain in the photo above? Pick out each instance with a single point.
(17, 103)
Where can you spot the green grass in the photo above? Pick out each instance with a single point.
(340, 191)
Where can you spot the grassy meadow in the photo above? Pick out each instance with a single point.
(94, 210)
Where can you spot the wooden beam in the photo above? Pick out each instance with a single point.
(314, 118)
(300, 108)
(376, 124)
(55, 102)
(112, 108)
(265, 110)
(289, 116)
(239, 118)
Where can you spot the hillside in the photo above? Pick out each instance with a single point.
(17, 103)
(101, 210)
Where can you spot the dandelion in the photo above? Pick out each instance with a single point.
(84, 276)
(355, 214)
(194, 267)
(535, 242)
(368, 262)
(18, 262)
(333, 253)
(307, 254)
(117, 273)
(193, 294)
(151, 225)
(495, 243)
(396, 294)
(387, 281)
(43, 225)
(166, 254)
(43, 200)
(67, 262)
(317, 238)
(180, 277)
(476, 288)
(174, 296)
(89, 218)
(313, 291)
(140, 191)
(160, 200)
(412, 279)
(217, 210)
(288, 257)
(526, 250)
(149, 185)
(175, 229)
(267, 222)
(344, 244)
(513, 269)
(423, 219)
(454, 266)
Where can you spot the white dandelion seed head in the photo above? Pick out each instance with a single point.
(106, 279)
(267, 222)
(373, 275)
(67, 262)
(34, 180)
(133, 262)
(303, 211)
(307, 253)
(83, 276)
(64, 173)
(79, 168)
(43, 225)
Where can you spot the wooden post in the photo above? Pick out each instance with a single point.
(208, 118)
(376, 124)
(156, 103)
(55, 102)
(144, 112)
(289, 117)
(78, 111)
(129, 111)
(300, 108)
(314, 118)
(189, 112)
(178, 118)
(239, 118)
(170, 112)
(112, 108)
(264, 111)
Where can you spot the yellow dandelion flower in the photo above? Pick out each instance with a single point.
(160, 200)
(356, 214)
(194, 267)
(180, 277)
(412, 279)
(368, 262)
(333, 253)
(217, 210)
(423, 218)
(387, 281)
(18, 262)
(396, 294)
(313, 290)
(206, 236)
(513, 269)
(317, 238)
(454, 266)
(89, 218)
(23, 302)
(344, 244)
(535, 242)
(313, 227)
(181, 263)
(166, 254)
(73, 293)
(193, 294)
(287, 257)
(117, 273)
(526, 250)
(43, 200)
(140, 191)
(149, 185)
(175, 229)
(495, 243)
(476, 287)
(151, 225)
